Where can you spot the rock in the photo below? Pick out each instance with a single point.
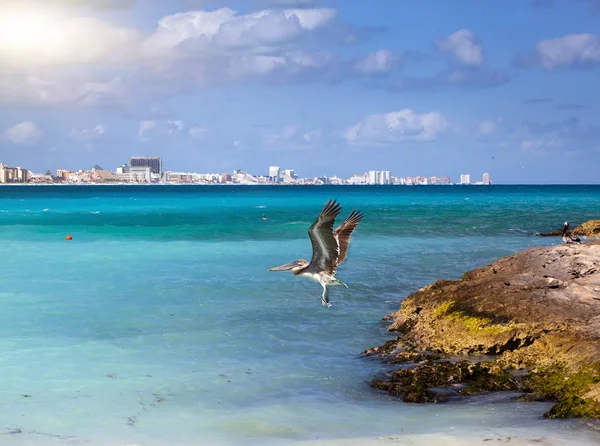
(554, 233)
(537, 311)
(416, 384)
(590, 229)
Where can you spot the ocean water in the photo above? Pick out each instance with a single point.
(158, 324)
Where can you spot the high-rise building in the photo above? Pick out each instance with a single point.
(386, 177)
(273, 174)
(153, 162)
(465, 178)
(379, 177)
(13, 174)
(486, 178)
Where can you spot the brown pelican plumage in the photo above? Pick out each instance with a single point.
(329, 248)
(568, 237)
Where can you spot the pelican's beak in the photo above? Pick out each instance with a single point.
(283, 267)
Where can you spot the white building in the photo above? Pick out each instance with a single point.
(274, 174)
(465, 178)
(378, 177)
(134, 174)
(386, 177)
(12, 174)
(243, 177)
(358, 179)
(288, 176)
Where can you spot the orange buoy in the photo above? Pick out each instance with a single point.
(68, 237)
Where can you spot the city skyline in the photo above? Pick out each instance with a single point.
(148, 170)
(322, 85)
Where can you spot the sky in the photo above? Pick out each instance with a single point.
(325, 87)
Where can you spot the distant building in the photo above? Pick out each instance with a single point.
(274, 174)
(439, 180)
(104, 176)
(386, 177)
(486, 178)
(13, 174)
(378, 177)
(358, 179)
(62, 173)
(465, 178)
(134, 174)
(153, 162)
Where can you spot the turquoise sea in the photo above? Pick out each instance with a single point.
(158, 324)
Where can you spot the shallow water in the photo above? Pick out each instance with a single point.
(159, 323)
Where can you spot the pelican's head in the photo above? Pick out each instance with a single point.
(294, 266)
(566, 224)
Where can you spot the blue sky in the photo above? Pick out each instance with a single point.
(326, 87)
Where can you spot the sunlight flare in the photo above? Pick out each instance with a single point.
(25, 29)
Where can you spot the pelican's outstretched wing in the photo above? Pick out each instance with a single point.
(342, 234)
(324, 245)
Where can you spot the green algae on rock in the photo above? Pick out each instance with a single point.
(537, 311)
(415, 384)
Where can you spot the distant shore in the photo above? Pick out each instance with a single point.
(230, 184)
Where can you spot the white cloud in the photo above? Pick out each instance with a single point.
(149, 129)
(532, 145)
(572, 50)
(292, 136)
(195, 32)
(489, 126)
(145, 126)
(176, 125)
(36, 90)
(403, 125)
(463, 46)
(24, 133)
(291, 2)
(312, 136)
(380, 61)
(198, 132)
(208, 47)
(87, 135)
(190, 48)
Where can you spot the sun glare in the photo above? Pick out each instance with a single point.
(24, 29)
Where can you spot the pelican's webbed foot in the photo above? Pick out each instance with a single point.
(324, 299)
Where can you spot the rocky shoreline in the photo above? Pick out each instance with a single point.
(528, 322)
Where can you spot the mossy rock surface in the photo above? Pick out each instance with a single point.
(590, 229)
(537, 311)
(415, 384)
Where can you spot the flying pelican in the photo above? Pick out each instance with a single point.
(329, 248)
(569, 238)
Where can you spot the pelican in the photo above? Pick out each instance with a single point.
(329, 248)
(569, 238)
